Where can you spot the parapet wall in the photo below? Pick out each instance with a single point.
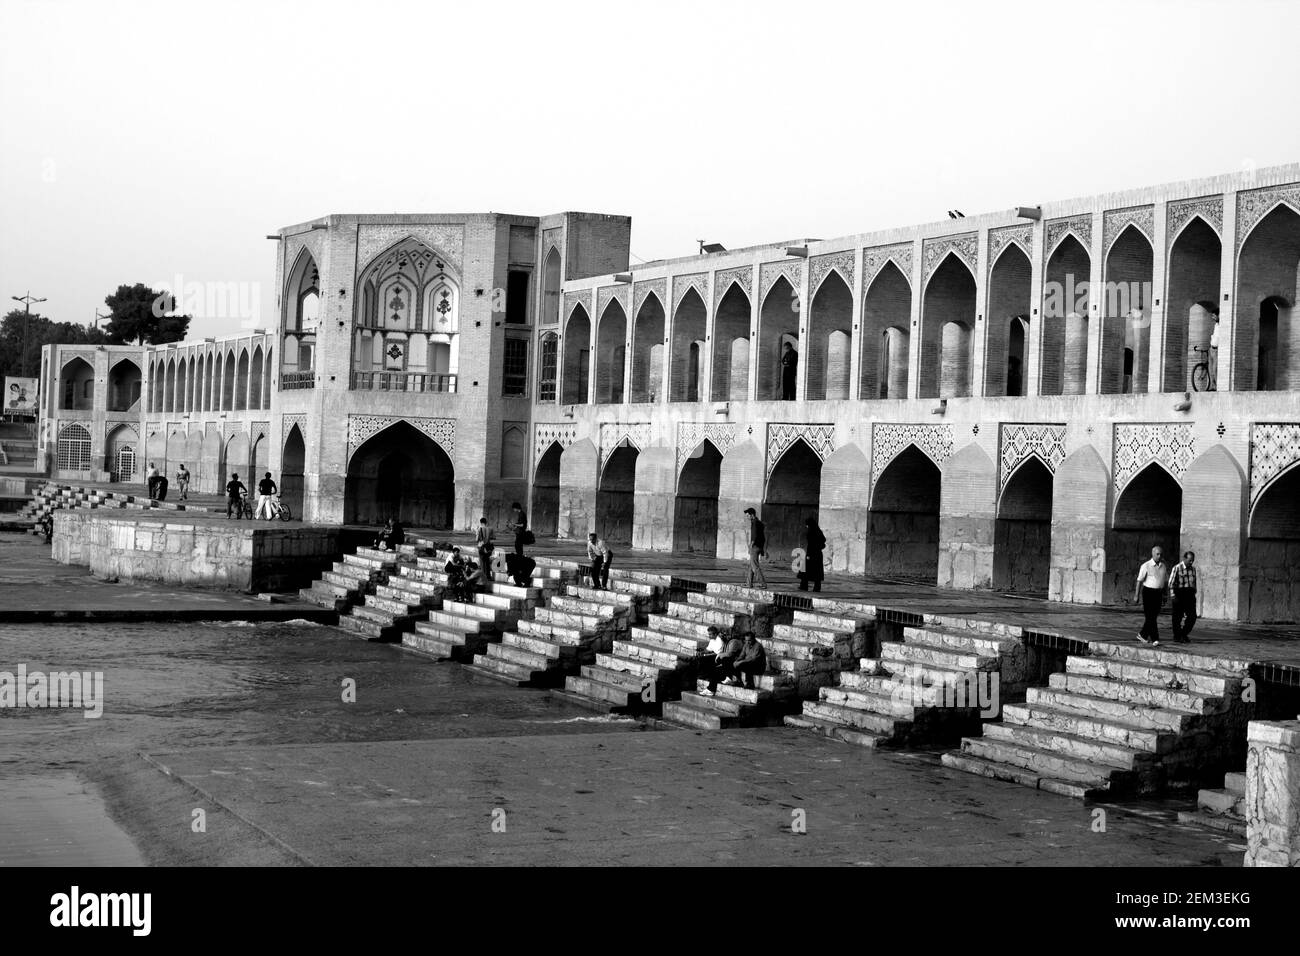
(210, 553)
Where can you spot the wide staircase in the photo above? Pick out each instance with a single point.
(803, 655)
(927, 689)
(570, 627)
(52, 497)
(1122, 720)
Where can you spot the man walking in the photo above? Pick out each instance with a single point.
(265, 490)
(151, 479)
(183, 482)
(235, 490)
(1183, 597)
(757, 550)
(1150, 589)
(599, 555)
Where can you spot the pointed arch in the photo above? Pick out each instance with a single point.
(695, 503)
(730, 352)
(885, 334)
(1126, 312)
(576, 370)
(545, 514)
(124, 384)
(828, 350)
(778, 324)
(648, 350)
(1266, 339)
(300, 303)
(1007, 321)
(687, 356)
(948, 310)
(792, 495)
(1063, 347)
(611, 353)
(903, 518)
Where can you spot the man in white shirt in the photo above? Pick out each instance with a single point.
(1152, 578)
(599, 555)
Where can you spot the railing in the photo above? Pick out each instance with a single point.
(290, 380)
(403, 382)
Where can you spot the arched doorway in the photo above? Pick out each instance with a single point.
(615, 495)
(648, 351)
(1126, 327)
(1064, 348)
(731, 346)
(1266, 353)
(293, 466)
(401, 473)
(793, 495)
(830, 322)
(947, 321)
(1022, 536)
(1192, 290)
(546, 492)
(886, 317)
(903, 525)
(1273, 541)
(686, 372)
(1149, 512)
(1010, 289)
(577, 358)
(695, 506)
(778, 323)
(611, 338)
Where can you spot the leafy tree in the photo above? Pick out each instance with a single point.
(40, 331)
(140, 315)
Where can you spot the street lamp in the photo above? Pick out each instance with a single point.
(27, 301)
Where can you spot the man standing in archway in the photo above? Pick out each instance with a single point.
(1150, 590)
(789, 372)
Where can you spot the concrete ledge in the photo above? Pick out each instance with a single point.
(199, 552)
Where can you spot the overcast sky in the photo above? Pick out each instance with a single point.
(144, 141)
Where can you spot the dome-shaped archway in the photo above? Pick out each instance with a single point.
(401, 473)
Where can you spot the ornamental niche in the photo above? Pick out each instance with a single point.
(407, 317)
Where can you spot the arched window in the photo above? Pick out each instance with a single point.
(408, 316)
(72, 451)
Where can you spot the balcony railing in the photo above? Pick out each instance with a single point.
(403, 382)
(297, 380)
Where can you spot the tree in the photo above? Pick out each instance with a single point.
(140, 315)
(40, 331)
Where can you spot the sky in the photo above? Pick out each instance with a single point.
(161, 142)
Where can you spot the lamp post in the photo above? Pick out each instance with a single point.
(27, 301)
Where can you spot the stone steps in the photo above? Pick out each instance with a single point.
(910, 695)
(1221, 808)
(1119, 721)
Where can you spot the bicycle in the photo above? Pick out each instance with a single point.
(278, 509)
(1203, 377)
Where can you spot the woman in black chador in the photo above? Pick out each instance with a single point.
(814, 543)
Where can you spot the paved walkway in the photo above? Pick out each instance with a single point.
(1276, 643)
